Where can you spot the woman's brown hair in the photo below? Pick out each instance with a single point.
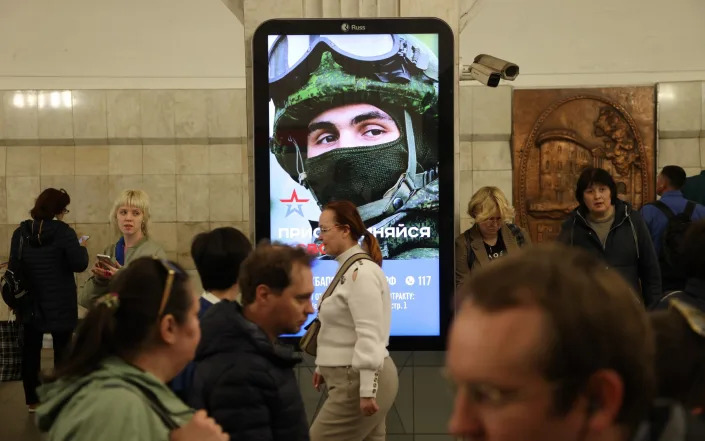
(49, 203)
(346, 214)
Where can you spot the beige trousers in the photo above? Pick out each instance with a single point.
(340, 418)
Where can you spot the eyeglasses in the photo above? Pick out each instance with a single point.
(326, 230)
(171, 271)
(692, 315)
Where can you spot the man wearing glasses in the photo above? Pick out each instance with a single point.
(549, 346)
(243, 376)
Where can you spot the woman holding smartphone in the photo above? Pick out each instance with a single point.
(48, 253)
(130, 218)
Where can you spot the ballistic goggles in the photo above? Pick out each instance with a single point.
(388, 58)
(691, 314)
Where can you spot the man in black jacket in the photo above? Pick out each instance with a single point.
(243, 376)
(609, 228)
(694, 258)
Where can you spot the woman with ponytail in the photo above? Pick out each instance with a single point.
(135, 339)
(352, 357)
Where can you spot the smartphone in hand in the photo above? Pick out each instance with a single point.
(105, 259)
(83, 239)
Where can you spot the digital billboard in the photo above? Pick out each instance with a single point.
(362, 110)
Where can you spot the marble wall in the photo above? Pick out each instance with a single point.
(681, 125)
(186, 148)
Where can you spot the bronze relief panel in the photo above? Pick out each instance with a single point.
(559, 132)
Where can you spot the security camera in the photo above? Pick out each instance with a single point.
(489, 70)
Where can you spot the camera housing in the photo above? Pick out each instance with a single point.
(488, 70)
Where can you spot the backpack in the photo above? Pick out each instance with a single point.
(516, 232)
(671, 254)
(12, 284)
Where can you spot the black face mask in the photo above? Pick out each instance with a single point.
(358, 174)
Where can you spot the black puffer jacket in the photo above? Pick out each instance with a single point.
(245, 382)
(51, 254)
(628, 247)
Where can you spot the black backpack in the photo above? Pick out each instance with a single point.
(516, 232)
(671, 254)
(12, 284)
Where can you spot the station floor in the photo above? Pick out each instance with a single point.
(16, 424)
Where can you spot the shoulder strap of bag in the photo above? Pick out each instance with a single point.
(664, 209)
(689, 209)
(16, 249)
(517, 233)
(343, 268)
(155, 404)
(468, 246)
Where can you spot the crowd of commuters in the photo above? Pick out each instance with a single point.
(600, 335)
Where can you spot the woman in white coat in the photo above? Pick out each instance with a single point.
(352, 357)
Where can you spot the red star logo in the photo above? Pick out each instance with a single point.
(294, 199)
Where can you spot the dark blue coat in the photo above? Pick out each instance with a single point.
(244, 381)
(628, 248)
(51, 255)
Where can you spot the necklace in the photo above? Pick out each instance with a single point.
(491, 252)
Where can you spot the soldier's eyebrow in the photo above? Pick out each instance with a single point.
(370, 115)
(329, 126)
(321, 125)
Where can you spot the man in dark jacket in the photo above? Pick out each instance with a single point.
(609, 228)
(694, 188)
(243, 376)
(218, 255)
(694, 258)
(50, 255)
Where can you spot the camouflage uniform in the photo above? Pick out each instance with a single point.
(394, 183)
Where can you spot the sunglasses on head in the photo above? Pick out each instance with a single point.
(694, 316)
(171, 271)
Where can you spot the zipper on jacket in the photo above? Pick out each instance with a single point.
(594, 233)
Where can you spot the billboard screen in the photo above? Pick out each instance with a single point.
(354, 113)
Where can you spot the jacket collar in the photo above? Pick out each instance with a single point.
(621, 212)
(672, 194)
(343, 257)
(226, 328)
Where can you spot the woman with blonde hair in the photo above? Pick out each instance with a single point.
(129, 218)
(352, 356)
(492, 236)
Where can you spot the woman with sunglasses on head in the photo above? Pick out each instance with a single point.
(130, 219)
(135, 339)
(491, 237)
(352, 357)
(48, 253)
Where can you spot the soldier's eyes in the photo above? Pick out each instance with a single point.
(326, 139)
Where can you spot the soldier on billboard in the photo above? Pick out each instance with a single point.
(356, 118)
